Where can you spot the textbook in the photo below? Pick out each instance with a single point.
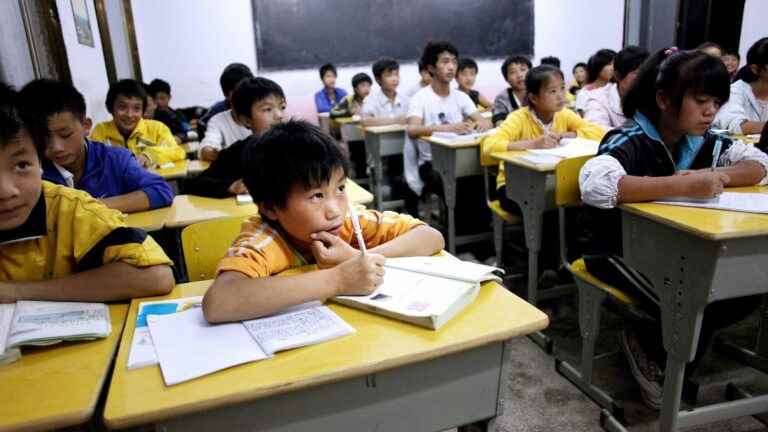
(570, 148)
(189, 347)
(732, 201)
(426, 291)
(46, 323)
(454, 138)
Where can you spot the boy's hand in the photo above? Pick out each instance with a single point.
(143, 161)
(707, 184)
(545, 141)
(329, 250)
(360, 275)
(238, 187)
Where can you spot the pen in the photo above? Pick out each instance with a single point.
(356, 227)
(716, 152)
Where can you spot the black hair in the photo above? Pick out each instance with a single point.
(551, 60)
(757, 55)
(251, 91)
(13, 121)
(732, 52)
(422, 66)
(327, 67)
(707, 45)
(763, 143)
(467, 63)
(515, 59)
(128, 88)
(232, 75)
(433, 50)
(157, 86)
(43, 98)
(676, 74)
(383, 65)
(628, 59)
(597, 62)
(286, 154)
(361, 78)
(539, 77)
(579, 65)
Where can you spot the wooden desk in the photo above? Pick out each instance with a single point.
(453, 161)
(179, 170)
(358, 195)
(388, 376)
(380, 142)
(150, 220)
(57, 386)
(694, 257)
(195, 167)
(349, 127)
(189, 209)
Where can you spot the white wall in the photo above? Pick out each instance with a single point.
(118, 34)
(86, 64)
(752, 26)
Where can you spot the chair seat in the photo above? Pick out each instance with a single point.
(579, 269)
(508, 217)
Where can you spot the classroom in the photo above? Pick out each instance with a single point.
(384, 215)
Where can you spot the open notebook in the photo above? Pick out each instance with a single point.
(47, 323)
(568, 148)
(733, 201)
(187, 346)
(426, 291)
(455, 138)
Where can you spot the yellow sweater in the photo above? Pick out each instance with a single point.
(521, 125)
(150, 138)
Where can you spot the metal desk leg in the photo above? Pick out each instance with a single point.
(444, 163)
(375, 165)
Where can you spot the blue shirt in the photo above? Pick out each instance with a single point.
(112, 171)
(324, 103)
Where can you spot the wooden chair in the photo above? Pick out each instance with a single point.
(204, 243)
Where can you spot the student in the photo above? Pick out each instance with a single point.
(435, 108)
(672, 103)
(222, 130)
(731, 59)
(58, 243)
(352, 105)
(465, 78)
(303, 220)
(160, 92)
(151, 107)
(513, 70)
(711, 48)
(551, 60)
(329, 95)
(110, 174)
(599, 72)
(385, 105)
(603, 106)
(260, 102)
(230, 77)
(579, 80)
(151, 141)
(542, 123)
(425, 79)
(747, 110)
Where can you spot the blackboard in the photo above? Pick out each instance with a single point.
(307, 33)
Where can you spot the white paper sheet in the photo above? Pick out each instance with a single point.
(570, 148)
(733, 201)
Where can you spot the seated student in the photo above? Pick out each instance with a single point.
(222, 130)
(260, 103)
(110, 174)
(303, 220)
(465, 78)
(425, 79)
(385, 105)
(747, 110)
(672, 103)
(160, 92)
(603, 105)
(151, 141)
(599, 72)
(731, 58)
(58, 243)
(151, 107)
(711, 48)
(436, 108)
(352, 105)
(579, 80)
(551, 60)
(513, 70)
(230, 77)
(329, 95)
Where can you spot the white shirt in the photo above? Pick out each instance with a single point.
(414, 89)
(582, 96)
(603, 107)
(377, 104)
(433, 110)
(742, 106)
(223, 131)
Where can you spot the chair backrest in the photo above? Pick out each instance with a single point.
(567, 181)
(204, 243)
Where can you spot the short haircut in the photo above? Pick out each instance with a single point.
(13, 121)
(422, 66)
(757, 55)
(157, 86)
(251, 91)
(551, 60)
(433, 50)
(515, 59)
(579, 65)
(467, 63)
(676, 74)
(360, 78)
(385, 64)
(128, 88)
(232, 75)
(538, 77)
(327, 67)
(597, 62)
(286, 154)
(43, 98)
(707, 45)
(628, 59)
(732, 52)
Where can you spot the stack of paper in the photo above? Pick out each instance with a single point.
(733, 201)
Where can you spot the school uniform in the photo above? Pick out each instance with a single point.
(149, 138)
(262, 249)
(504, 103)
(111, 171)
(583, 95)
(216, 108)
(215, 181)
(222, 131)
(67, 232)
(603, 107)
(741, 107)
(377, 104)
(323, 102)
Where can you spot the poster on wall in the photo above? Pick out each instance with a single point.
(82, 22)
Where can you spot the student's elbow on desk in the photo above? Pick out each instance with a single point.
(217, 301)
